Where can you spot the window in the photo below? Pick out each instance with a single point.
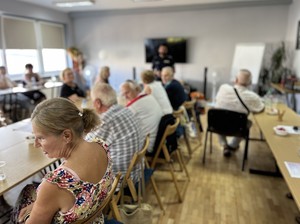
(54, 59)
(28, 41)
(20, 44)
(53, 50)
(16, 59)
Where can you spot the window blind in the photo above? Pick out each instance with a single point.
(52, 35)
(19, 33)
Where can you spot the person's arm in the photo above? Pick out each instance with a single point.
(257, 104)
(50, 199)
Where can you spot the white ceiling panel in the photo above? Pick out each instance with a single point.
(130, 4)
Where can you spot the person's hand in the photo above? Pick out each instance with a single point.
(74, 97)
(24, 212)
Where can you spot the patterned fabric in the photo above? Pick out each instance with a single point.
(122, 133)
(88, 196)
(26, 197)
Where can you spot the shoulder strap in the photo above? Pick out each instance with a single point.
(235, 90)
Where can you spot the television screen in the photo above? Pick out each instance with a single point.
(177, 48)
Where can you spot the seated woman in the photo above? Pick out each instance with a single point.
(76, 188)
(157, 90)
(103, 75)
(70, 89)
(32, 79)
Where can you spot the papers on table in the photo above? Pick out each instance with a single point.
(293, 168)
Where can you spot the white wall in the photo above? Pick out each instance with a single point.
(212, 33)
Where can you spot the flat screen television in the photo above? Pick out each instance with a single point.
(177, 48)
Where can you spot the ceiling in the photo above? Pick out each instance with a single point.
(130, 4)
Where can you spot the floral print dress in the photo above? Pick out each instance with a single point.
(88, 196)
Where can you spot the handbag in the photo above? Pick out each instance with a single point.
(140, 213)
(136, 214)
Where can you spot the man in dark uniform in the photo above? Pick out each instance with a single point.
(162, 60)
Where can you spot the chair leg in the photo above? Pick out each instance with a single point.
(210, 139)
(187, 142)
(204, 149)
(115, 210)
(196, 124)
(155, 189)
(245, 153)
(156, 193)
(180, 160)
(175, 182)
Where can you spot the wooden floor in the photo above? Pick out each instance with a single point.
(219, 192)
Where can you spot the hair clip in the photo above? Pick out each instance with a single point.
(80, 114)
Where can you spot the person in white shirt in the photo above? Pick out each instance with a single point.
(157, 90)
(227, 99)
(145, 108)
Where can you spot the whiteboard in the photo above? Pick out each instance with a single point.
(248, 56)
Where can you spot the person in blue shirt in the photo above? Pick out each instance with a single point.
(174, 88)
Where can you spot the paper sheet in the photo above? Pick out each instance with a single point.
(293, 168)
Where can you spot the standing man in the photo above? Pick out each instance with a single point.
(227, 99)
(162, 60)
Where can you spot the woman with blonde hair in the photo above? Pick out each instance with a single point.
(155, 88)
(103, 75)
(70, 89)
(75, 189)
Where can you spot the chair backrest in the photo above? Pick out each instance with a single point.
(105, 202)
(136, 159)
(189, 104)
(227, 122)
(178, 113)
(170, 129)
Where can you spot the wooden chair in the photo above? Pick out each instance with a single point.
(51, 167)
(166, 159)
(138, 159)
(178, 114)
(108, 200)
(228, 123)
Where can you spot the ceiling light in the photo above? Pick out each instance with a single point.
(73, 3)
